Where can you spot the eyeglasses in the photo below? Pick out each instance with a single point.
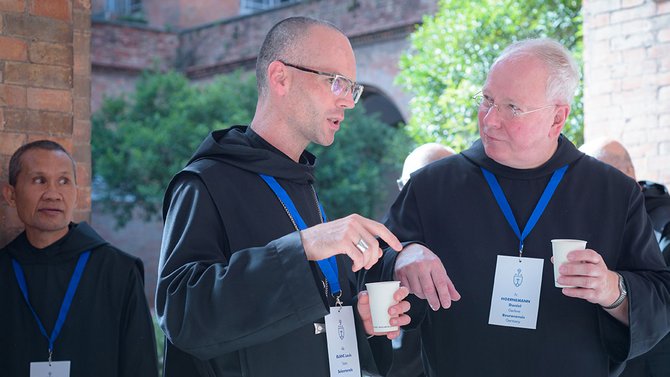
(507, 111)
(339, 85)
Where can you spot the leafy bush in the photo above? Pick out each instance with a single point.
(140, 141)
(353, 173)
(453, 50)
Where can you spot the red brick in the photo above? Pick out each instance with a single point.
(37, 28)
(38, 122)
(46, 76)
(15, 120)
(65, 142)
(13, 49)
(12, 5)
(83, 175)
(11, 225)
(4, 175)
(84, 5)
(50, 53)
(82, 56)
(81, 20)
(13, 96)
(83, 199)
(49, 99)
(10, 142)
(82, 86)
(2, 119)
(58, 9)
(81, 131)
(51, 122)
(82, 108)
(82, 154)
(82, 64)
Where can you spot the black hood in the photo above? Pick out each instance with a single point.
(655, 195)
(565, 154)
(81, 237)
(657, 202)
(241, 147)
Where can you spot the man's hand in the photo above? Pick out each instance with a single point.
(593, 281)
(423, 273)
(353, 235)
(397, 312)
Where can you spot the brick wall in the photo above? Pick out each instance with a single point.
(378, 31)
(45, 88)
(627, 79)
(119, 53)
(239, 39)
(180, 14)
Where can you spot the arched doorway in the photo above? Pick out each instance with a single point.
(375, 101)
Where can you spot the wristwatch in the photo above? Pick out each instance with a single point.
(622, 295)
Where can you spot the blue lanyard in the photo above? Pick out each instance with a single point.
(328, 266)
(539, 208)
(67, 300)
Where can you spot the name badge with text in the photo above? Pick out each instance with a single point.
(516, 292)
(50, 369)
(342, 344)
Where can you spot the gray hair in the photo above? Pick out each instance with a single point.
(15, 160)
(281, 43)
(563, 69)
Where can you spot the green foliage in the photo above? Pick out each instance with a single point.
(140, 142)
(353, 173)
(453, 50)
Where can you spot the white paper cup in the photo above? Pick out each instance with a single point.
(381, 299)
(560, 249)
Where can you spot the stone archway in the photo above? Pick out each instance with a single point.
(376, 101)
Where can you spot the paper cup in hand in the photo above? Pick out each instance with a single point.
(560, 249)
(381, 299)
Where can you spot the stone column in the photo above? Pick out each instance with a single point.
(627, 80)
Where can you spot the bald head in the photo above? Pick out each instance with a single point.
(422, 156)
(284, 41)
(612, 153)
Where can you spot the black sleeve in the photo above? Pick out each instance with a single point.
(648, 283)
(209, 304)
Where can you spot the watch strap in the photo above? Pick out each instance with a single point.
(622, 294)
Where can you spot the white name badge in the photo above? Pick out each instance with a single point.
(50, 369)
(342, 345)
(516, 292)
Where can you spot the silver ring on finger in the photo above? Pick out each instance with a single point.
(362, 245)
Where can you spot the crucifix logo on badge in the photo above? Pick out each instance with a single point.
(518, 278)
(340, 330)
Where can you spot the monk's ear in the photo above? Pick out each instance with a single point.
(279, 79)
(9, 193)
(560, 116)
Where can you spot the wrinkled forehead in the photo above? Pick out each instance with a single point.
(46, 161)
(518, 76)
